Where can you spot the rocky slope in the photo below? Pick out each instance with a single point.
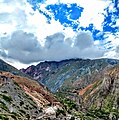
(65, 73)
(14, 102)
(89, 88)
(22, 98)
(89, 91)
(100, 100)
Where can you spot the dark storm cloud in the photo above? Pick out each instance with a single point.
(24, 47)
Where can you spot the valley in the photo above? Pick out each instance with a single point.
(81, 89)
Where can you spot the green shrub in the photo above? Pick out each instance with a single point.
(69, 104)
(6, 98)
(3, 106)
(60, 112)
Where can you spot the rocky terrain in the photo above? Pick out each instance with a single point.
(14, 102)
(88, 91)
(25, 99)
(100, 100)
(22, 98)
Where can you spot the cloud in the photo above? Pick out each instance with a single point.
(58, 47)
(117, 49)
(86, 47)
(90, 14)
(26, 37)
(54, 40)
(115, 52)
(19, 15)
(21, 46)
(25, 48)
(83, 40)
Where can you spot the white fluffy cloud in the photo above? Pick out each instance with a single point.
(18, 15)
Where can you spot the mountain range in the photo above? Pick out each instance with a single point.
(80, 89)
(63, 74)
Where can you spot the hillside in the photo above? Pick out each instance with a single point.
(100, 100)
(22, 98)
(89, 91)
(14, 102)
(8, 68)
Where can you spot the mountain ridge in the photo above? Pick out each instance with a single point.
(57, 73)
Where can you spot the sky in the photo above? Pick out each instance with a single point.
(32, 31)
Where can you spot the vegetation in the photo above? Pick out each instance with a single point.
(60, 111)
(3, 106)
(3, 117)
(6, 98)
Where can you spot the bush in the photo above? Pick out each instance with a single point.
(60, 112)
(6, 98)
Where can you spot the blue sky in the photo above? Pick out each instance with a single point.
(40, 30)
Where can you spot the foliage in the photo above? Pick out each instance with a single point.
(3, 117)
(59, 112)
(6, 98)
(3, 106)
